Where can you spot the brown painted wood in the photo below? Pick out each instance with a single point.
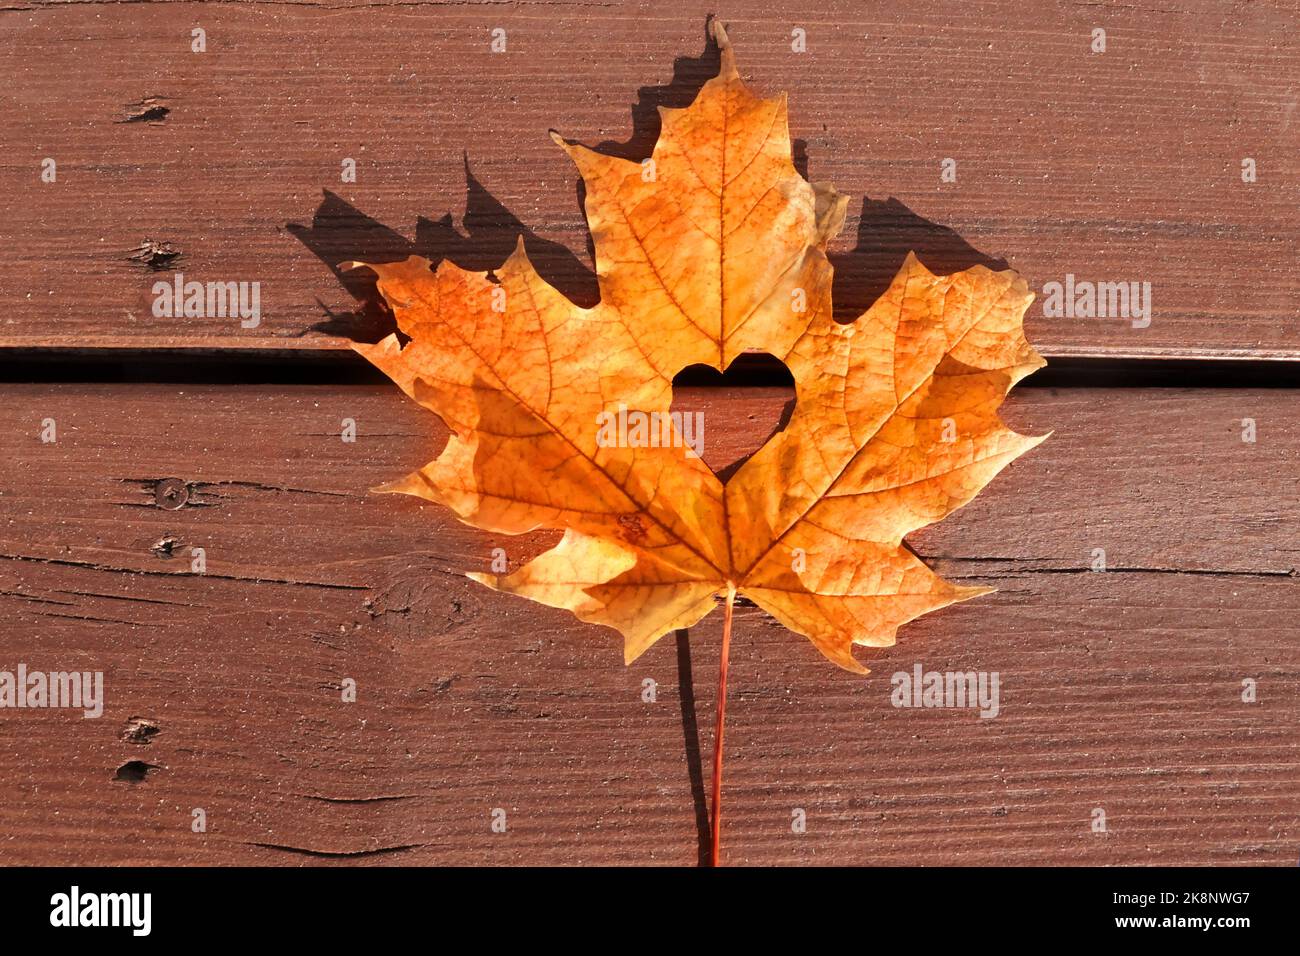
(1120, 690)
(1120, 166)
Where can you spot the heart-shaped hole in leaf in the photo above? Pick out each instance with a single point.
(727, 416)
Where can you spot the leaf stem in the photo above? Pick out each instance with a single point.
(716, 850)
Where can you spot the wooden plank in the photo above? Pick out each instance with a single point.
(1120, 690)
(1115, 166)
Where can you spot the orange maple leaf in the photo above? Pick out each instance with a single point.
(712, 247)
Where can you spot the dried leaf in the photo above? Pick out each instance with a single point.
(715, 249)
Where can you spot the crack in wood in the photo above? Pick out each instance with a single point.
(382, 798)
(340, 854)
(93, 566)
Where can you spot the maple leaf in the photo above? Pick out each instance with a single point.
(715, 247)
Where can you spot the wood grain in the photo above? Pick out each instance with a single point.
(1120, 690)
(1119, 166)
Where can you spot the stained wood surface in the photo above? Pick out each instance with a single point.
(1120, 690)
(1115, 166)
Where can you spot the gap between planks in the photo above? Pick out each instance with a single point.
(299, 364)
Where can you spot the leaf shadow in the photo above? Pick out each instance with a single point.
(691, 735)
(340, 232)
(887, 231)
(690, 73)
